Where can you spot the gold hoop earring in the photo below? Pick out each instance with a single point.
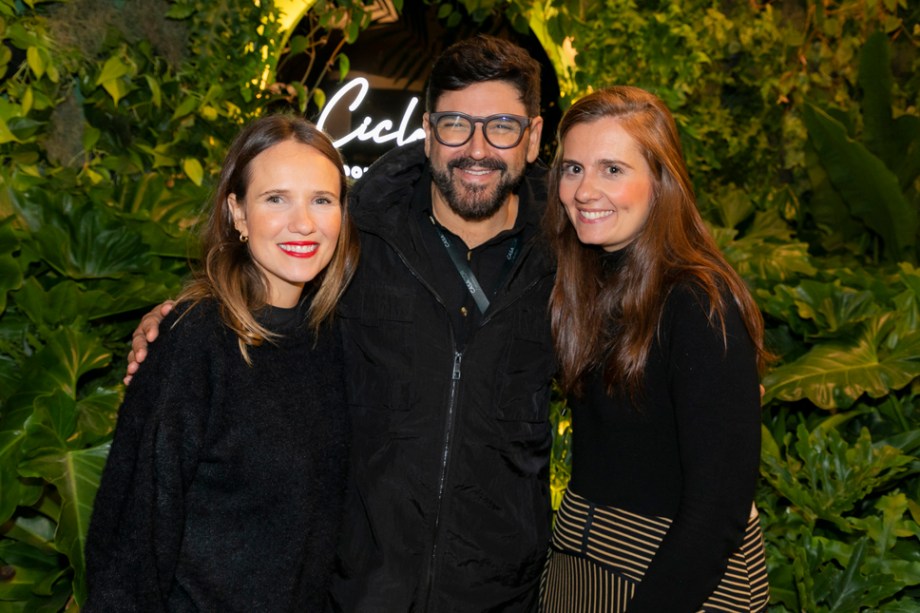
(244, 238)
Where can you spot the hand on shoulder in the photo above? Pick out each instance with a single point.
(146, 332)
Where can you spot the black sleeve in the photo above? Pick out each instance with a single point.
(716, 394)
(137, 523)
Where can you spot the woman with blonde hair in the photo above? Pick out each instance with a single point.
(223, 489)
(660, 346)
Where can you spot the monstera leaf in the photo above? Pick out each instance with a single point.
(835, 374)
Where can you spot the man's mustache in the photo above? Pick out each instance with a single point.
(486, 164)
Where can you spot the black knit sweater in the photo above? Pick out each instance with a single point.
(690, 452)
(224, 484)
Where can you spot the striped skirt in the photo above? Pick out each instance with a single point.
(599, 555)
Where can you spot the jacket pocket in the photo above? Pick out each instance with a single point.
(377, 323)
(374, 304)
(528, 365)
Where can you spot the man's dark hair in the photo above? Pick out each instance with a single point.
(485, 58)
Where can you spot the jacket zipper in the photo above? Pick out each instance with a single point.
(448, 437)
(428, 581)
(451, 409)
(442, 477)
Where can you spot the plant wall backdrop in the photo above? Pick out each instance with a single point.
(801, 127)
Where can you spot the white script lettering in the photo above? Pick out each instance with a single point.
(380, 133)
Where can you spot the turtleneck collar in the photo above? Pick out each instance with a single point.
(281, 319)
(612, 260)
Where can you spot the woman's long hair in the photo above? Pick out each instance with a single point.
(611, 321)
(228, 273)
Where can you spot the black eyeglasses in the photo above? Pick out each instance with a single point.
(455, 129)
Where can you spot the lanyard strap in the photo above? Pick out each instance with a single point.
(466, 273)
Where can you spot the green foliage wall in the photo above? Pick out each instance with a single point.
(800, 123)
(113, 117)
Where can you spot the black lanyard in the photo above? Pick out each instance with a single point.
(458, 257)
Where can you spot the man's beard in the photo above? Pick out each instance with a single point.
(475, 203)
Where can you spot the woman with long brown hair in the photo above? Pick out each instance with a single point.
(660, 347)
(224, 486)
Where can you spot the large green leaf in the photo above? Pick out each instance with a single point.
(82, 240)
(781, 306)
(835, 374)
(91, 247)
(74, 473)
(763, 263)
(830, 306)
(35, 529)
(907, 305)
(907, 131)
(9, 376)
(825, 477)
(67, 355)
(908, 604)
(183, 246)
(97, 414)
(11, 485)
(855, 588)
(870, 189)
(14, 490)
(34, 571)
(895, 141)
(71, 302)
(875, 80)
(768, 252)
(65, 302)
(840, 232)
(140, 291)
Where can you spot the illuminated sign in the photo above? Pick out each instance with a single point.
(381, 132)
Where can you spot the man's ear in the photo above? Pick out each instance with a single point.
(533, 141)
(428, 136)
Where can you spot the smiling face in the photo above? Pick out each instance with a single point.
(292, 215)
(606, 185)
(475, 179)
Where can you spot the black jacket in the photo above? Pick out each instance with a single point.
(449, 508)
